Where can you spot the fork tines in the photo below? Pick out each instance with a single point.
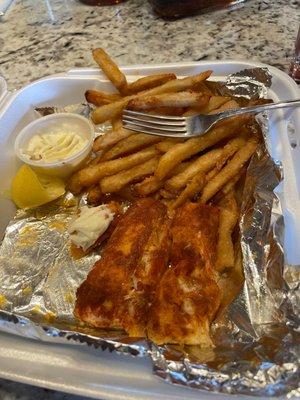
(160, 125)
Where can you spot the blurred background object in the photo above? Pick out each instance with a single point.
(180, 8)
(295, 63)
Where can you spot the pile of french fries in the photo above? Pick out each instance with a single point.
(207, 168)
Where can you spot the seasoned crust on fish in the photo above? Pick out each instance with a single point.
(103, 298)
(188, 297)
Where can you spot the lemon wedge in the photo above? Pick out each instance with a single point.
(29, 189)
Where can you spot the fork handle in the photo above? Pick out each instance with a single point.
(257, 109)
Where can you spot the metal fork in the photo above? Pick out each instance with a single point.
(185, 127)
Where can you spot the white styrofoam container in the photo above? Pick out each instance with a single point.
(85, 371)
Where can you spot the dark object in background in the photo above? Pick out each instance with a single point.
(295, 63)
(181, 8)
(101, 2)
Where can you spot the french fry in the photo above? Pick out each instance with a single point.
(181, 99)
(129, 144)
(113, 136)
(114, 183)
(110, 138)
(94, 161)
(172, 111)
(109, 111)
(211, 174)
(231, 184)
(113, 110)
(94, 195)
(178, 85)
(167, 144)
(215, 158)
(214, 103)
(229, 149)
(202, 87)
(228, 218)
(91, 175)
(202, 165)
(117, 123)
(231, 283)
(182, 151)
(232, 168)
(149, 82)
(151, 184)
(100, 98)
(166, 194)
(192, 189)
(110, 68)
(228, 105)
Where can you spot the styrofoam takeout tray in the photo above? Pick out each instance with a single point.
(91, 372)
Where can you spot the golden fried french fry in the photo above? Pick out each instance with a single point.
(167, 144)
(91, 175)
(232, 168)
(148, 185)
(114, 183)
(113, 110)
(100, 98)
(181, 99)
(110, 68)
(110, 138)
(117, 123)
(172, 111)
(149, 82)
(192, 189)
(229, 149)
(231, 283)
(129, 144)
(211, 174)
(94, 195)
(94, 161)
(166, 194)
(228, 105)
(203, 164)
(213, 104)
(228, 218)
(202, 87)
(231, 184)
(109, 111)
(178, 85)
(151, 184)
(182, 151)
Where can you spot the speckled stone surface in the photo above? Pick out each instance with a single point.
(39, 38)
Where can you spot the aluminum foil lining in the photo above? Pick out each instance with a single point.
(257, 337)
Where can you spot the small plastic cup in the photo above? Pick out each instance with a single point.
(61, 168)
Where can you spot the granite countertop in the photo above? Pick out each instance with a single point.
(38, 38)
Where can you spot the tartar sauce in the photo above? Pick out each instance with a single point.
(56, 145)
(91, 223)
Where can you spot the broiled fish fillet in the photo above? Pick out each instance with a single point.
(103, 298)
(188, 297)
(146, 277)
